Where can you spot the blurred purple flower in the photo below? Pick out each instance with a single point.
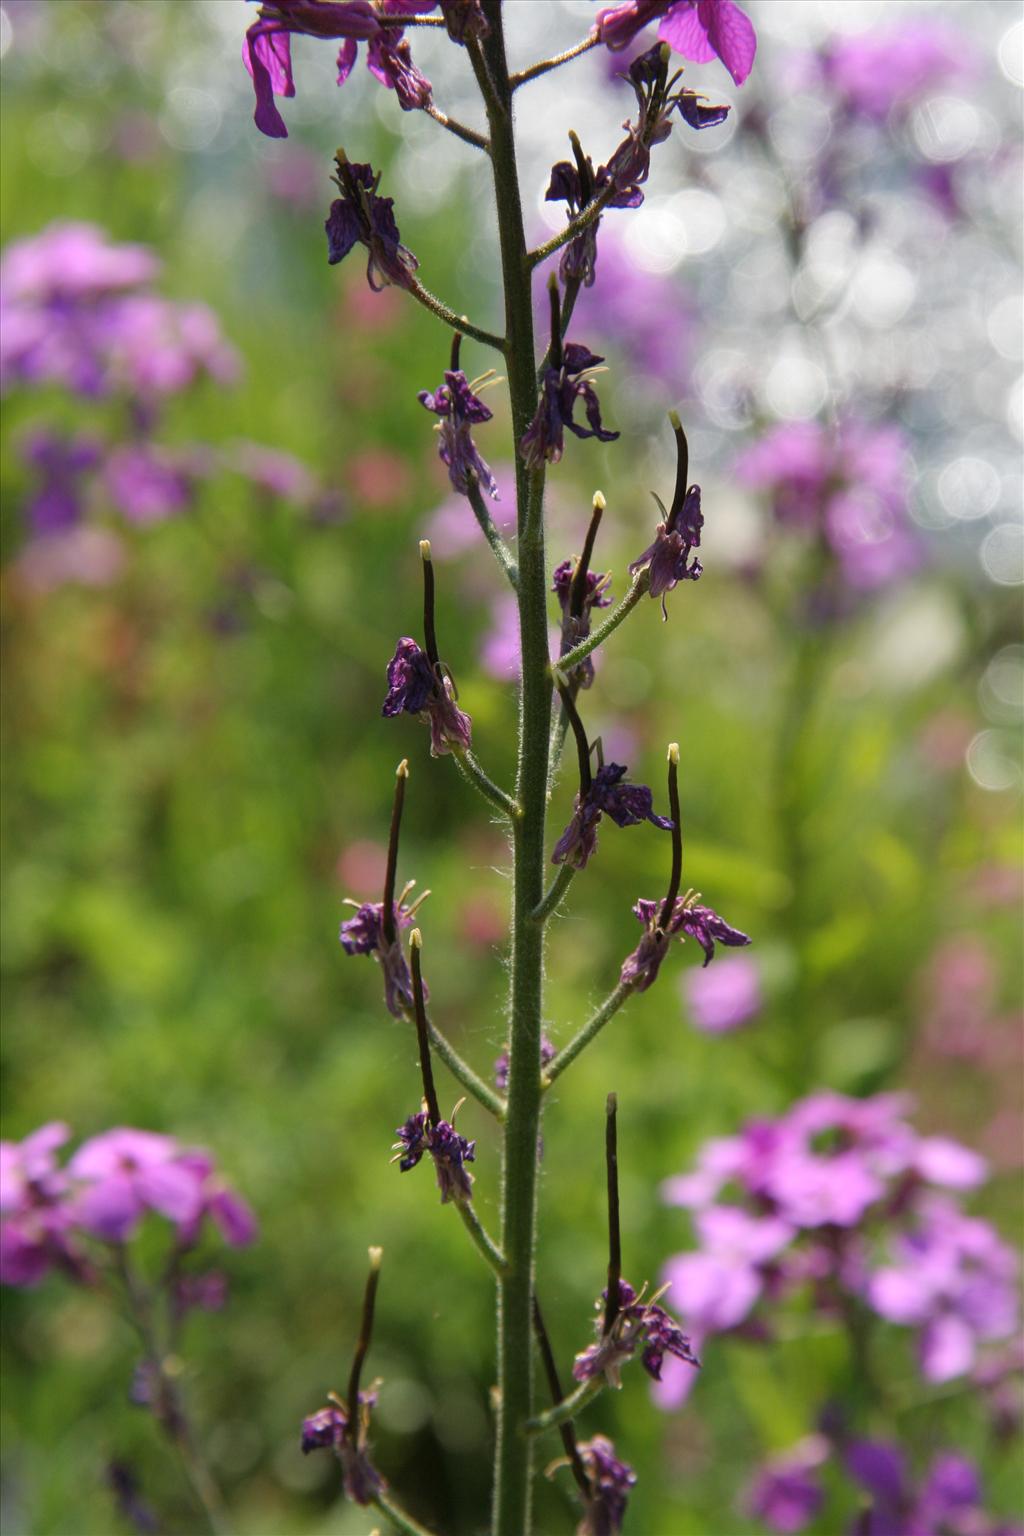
(146, 483)
(948, 1499)
(953, 1279)
(459, 409)
(266, 50)
(123, 1173)
(72, 263)
(218, 1203)
(881, 72)
(561, 387)
(725, 996)
(626, 804)
(646, 316)
(787, 1494)
(90, 557)
(34, 1231)
(62, 464)
(276, 473)
(610, 1483)
(849, 485)
(701, 30)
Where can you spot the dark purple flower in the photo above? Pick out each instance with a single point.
(668, 558)
(626, 804)
(701, 30)
(636, 1323)
(610, 1483)
(266, 51)
(459, 409)
(417, 688)
(389, 58)
(449, 1150)
(548, 1052)
(364, 934)
(576, 626)
(330, 1429)
(561, 387)
(63, 464)
(359, 215)
(577, 186)
(657, 98)
(688, 919)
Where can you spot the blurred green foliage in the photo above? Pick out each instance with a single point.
(177, 798)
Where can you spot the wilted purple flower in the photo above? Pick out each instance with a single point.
(787, 1493)
(122, 1173)
(725, 996)
(359, 215)
(146, 483)
(266, 51)
(701, 30)
(329, 1429)
(657, 98)
(576, 626)
(548, 1052)
(62, 463)
(687, 920)
(459, 409)
(561, 387)
(577, 186)
(626, 804)
(636, 1323)
(610, 1483)
(417, 688)
(389, 59)
(364, 934)
(449, 1150)
(668, 558)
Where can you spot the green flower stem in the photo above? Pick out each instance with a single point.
(594, 1025)
(398, 1517)
(502, 553)
(464, 1073)
(591, 213)
(472, 772)
(513, 1462)
(457, 322)
(481, 1237)
(597, 637)
(554, 893)
(536, 70)
(567, 1409)
(467, 135)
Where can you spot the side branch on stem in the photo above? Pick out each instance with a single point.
(501, 551)
(554, 893)
(567, 1409)
(460, 130)
(567, 1055)
(472, 772)
(621, 611)
(464, 1073)
(590, 214)
(398, 1517)
(457, 322)
(546, 65)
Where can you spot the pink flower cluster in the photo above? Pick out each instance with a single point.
(849, 487)
(841, 1198)
(48, 1213)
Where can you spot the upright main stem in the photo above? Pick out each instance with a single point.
(513, 1455)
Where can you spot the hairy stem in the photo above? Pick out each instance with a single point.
(481, 1237)
(567, 1409)
(468, 135)
(398, 1517)
(545, 65)
(513, 1457)
(472, 772)
(597, 637)
(464, 1073)
(501, 550)
(457, 322)
(554, 893)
